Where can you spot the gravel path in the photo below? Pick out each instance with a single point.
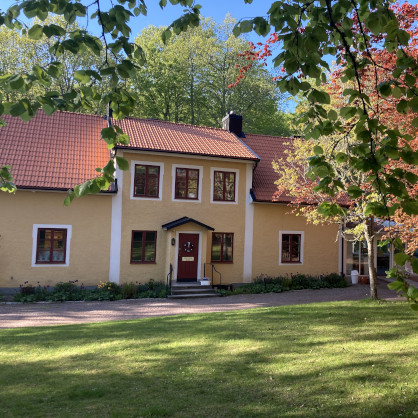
(40, 314)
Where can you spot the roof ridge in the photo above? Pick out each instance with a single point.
(272, 136)
(175, 123)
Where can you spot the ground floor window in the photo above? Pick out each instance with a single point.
(291, 248)
(222, 247)
(51, 246)
(143, 247)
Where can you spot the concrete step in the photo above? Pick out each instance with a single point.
(190, 292)
(191, 286)
(194, 295)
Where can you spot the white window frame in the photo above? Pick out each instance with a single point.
(212, 180)
(160, 180)
(35, 229)
(173, 175)
(302, 245)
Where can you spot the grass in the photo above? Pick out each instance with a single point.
(341, 359)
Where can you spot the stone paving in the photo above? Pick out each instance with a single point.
(41, 314)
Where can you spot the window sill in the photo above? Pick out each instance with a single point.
(143, 262)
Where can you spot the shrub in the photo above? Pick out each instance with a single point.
(129, 290)
(108, 291)
(266, 284)
(152, 289)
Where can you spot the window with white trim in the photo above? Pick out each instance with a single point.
(291, 247)
(187, 183)
(51, 245)
(146, 180)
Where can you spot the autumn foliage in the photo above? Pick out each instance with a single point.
(387, 108)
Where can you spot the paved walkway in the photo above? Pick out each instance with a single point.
(40, 314)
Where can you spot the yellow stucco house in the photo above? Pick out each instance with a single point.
(194, 198)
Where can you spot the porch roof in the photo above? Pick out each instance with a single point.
(185, 220)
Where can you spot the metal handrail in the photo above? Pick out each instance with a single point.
(213, 270)
(168, 280)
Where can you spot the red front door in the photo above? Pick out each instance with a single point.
(188, 257)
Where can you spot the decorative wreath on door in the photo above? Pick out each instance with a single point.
(188, 247)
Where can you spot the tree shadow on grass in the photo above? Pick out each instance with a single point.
(320, 360)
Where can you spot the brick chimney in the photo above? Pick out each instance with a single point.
(233, 123)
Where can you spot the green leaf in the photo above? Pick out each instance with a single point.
(401, 258)
(318, 150)
(82, 76)
(410, 207)
(341, 157)
(414, 265)
(412, 292)
(385, 89)
(411, 177)
(402, 106)
(35, 32)
(348, 112)
(122, 163)
(332, 115)
(396, 285)
(354, 191)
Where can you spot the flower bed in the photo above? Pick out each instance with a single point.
(268, 284)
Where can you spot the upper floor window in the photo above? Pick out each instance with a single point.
(187, 183)
(291, 247)
(143, 247)
(224, 186)
(222, 247)
(146, 181)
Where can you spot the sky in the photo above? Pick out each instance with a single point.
(216, 9)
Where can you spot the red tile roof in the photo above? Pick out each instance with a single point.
(53, 152)
(268, 148)
(62, 150)
(156, 135)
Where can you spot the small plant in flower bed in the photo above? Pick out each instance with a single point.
(30, 293)
(129, 290)
(64, 291)
(268, 284)
(152, 289)
(106, 291)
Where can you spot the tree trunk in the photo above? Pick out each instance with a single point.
(369, 235)
(192, 116)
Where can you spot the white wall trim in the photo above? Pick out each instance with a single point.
(249, 227)
(193, 156)
(116, 229)
(35, 244)
(160, 180)
(340, 250)
(176, 254)
(212, 179)
(302, 245)
(173, 175)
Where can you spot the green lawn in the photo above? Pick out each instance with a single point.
(348, 359)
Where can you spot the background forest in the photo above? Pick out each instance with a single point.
(186, 80)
